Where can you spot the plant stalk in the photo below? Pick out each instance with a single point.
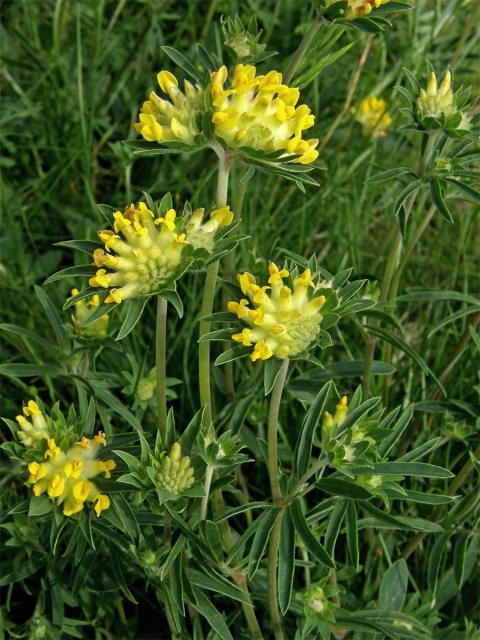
(272, 432)
(161, 365)
(206, 487)
(224, 165)
(302, 48)
(272, 577)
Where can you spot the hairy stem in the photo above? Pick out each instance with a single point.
(161, 365)
(272, 577)
(206, 487)
(224, 165)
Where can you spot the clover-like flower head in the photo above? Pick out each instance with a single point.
(150, 254)
(261, 113)
(372, 114)
(436, 100)
(358, 8)
(171, 120)
(98, 329)
(63, 472)
(175, 473)
(281, 321)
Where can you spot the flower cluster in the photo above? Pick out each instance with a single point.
(373, 116)
(65, 475)
(282, 323)
(170, 120)
(98, 329)
(357, 8)
(437, 100)
(175, 473)
(260, 112)
(149, 256)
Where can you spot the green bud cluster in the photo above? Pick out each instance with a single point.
(175, 473)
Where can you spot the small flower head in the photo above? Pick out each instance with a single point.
(281, 321)
(144, 260)
(175, 473)
(83, 310)
(65, 475)
(33, 425)
(171, 120)
(201, 235)
(260, 112)
(317, 604)
(437, 106)
(373, 116)
(360, 8)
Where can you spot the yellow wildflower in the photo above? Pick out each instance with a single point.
(373, 116)
(83, 310)
(260, 112)
(201, 236)
(330, 422)
(176, 473)
(281, 323)
(358, 8)
(437, 101)
(66, 475)
(174, 119)
(32, 431)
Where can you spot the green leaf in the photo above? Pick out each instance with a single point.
(334, 525)
(217, 585)
(39, 506)
(403, 346)
(393, 588)
(303, 452)
(459, 554)
(214, 618)
(234, 353)
(183, 63)
(467, 189)
(271, 369)
(351, 526)
(438, 199)
(134, 313)
(344, 488)
(415, 469)
(188, 437)
(286, 562)
(77, 271)
(53, 318)
(435, 559)
(260, 540)
(303, 530)
(355, 415)
(174, 299)
(87, 246)
(396, 433)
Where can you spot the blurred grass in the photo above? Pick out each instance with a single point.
(73, 77)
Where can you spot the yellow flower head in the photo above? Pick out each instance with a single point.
(436, 101)
(32, 431)
(83, 310)
(261, 112)
(330, 422)
(201, 235)
(170, 120)
(65, 476)
(373, 116)
(281, 322)
(359, 8)
(144, 260)
(176, 473)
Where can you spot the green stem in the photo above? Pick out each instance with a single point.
(302, 48)
(272, 432)
(206, 488)
(161, 366)
(272, 577)
(224, 165)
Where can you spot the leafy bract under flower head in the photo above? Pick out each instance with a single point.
(261, 113)
(283, 322)
(153, 252)
(373, 116)
(64, 473)
(171, 120)
(98, 329)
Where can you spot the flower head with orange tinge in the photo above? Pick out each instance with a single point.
(260, 112)
(281, 321)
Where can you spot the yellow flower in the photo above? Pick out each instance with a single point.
(144, 260)
(32, 431)
(176, 473)
(66, 475)
(260, 112)
(358, 8)
(281, 323)
(373, 116)
(170, 120)
(330, 422)
(83, 310)
(201, 236)
(437, 101)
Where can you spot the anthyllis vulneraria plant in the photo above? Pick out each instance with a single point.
(83, 310)
(63, 471)
(372, 114)
(151, 255)
(283, 321)
(365, 15)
